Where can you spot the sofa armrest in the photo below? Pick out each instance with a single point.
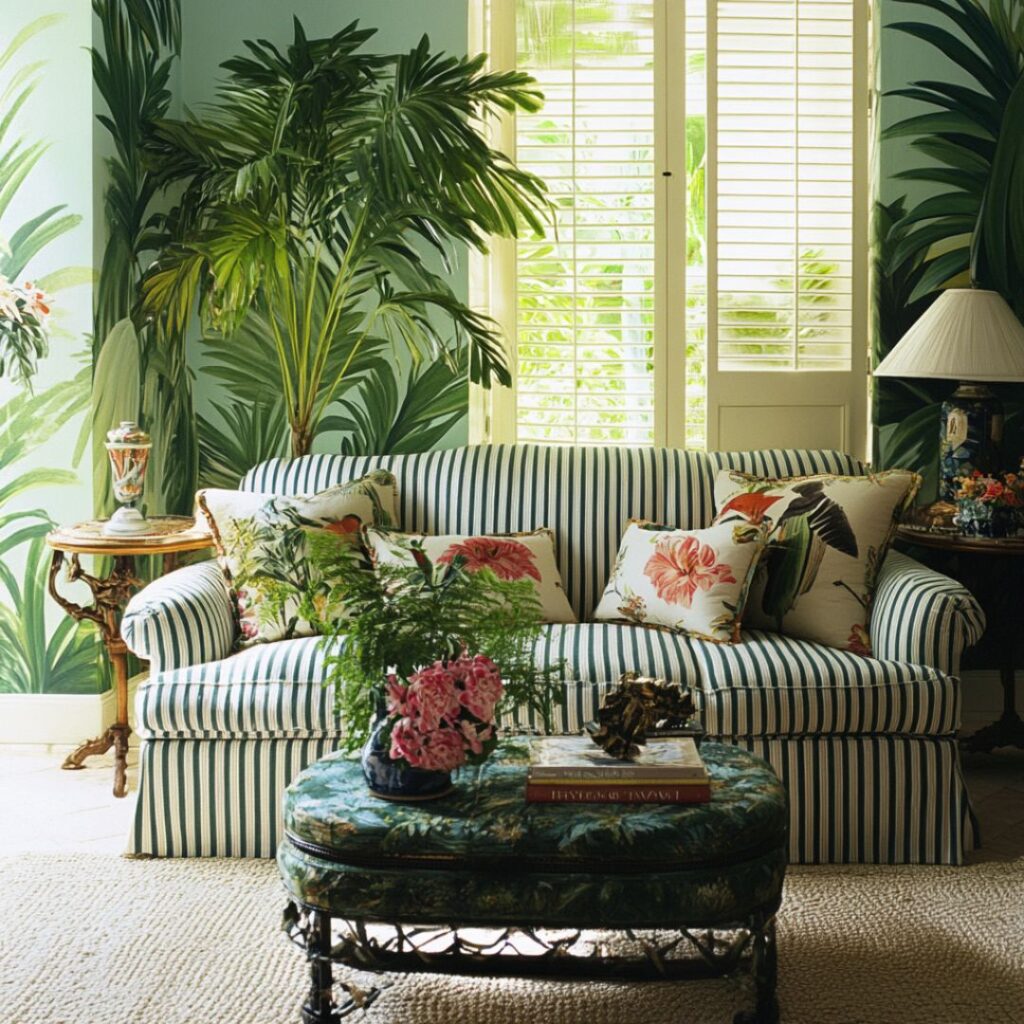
(183, 618)
(922, 617)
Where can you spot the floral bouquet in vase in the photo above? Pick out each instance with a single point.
(990, 505)
(432, 654)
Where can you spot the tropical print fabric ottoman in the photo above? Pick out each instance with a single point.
(484, 855)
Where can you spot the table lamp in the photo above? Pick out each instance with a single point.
(972, 336)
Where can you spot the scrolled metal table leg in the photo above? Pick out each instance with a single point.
(764, 969)
(319, 1007)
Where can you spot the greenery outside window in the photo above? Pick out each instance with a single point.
(707, 164)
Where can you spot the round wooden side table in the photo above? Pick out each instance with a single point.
(170, 537)
(992, 568)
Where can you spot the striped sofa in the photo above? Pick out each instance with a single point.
(865, 746)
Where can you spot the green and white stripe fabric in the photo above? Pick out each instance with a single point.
(586, 495)
(871, 799)
(767, 686)
(853, 799)
(266, 690)
(217, 798)
(922, 617)
(772, 685)
(183, 618)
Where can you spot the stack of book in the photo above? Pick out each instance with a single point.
(573, 769)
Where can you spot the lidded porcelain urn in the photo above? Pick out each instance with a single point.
(128, 446)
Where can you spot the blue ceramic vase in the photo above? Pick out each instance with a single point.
(392, 780)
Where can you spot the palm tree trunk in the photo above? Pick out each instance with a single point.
(302, 439)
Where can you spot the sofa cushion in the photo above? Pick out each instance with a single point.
(275, 689)
(266, 690)
(773, 685)
(768, 685)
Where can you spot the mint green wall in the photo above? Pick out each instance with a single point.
(214, 31)
(59, 115)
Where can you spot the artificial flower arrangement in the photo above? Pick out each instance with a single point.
(990, 505)
(24, 329)
(432, 654)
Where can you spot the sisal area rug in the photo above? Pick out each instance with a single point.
(104, 940)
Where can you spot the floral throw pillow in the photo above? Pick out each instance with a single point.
(827, 538)
(281, 556)
(511, 556)
(688, 581)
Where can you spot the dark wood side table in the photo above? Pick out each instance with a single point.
(993, 570)
(171, 536)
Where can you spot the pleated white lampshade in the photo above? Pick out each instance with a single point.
(966, 334)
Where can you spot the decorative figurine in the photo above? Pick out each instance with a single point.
(638, 704)
(128, 446)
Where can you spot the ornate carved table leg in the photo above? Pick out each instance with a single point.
(110, 593)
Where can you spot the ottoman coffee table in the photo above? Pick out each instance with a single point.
(481, 882)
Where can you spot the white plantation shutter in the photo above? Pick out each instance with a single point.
(585, 293)
(783, 252)
(705, 281)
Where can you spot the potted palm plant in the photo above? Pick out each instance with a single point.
(309, 192)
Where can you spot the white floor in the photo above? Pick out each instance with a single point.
(45, 809)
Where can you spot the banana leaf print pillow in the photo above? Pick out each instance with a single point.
(688, 581)
(511, 556)
(827, 538)
(281, 555)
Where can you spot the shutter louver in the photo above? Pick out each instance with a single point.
(585, 293)
(784, 78)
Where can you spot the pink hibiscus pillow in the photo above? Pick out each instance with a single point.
(510, 556)
(689, 581)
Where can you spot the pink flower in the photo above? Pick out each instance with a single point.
(431, 697)
(442, 751)
(405, 742)
(481, 688)
(396, 694)
(475, 736)
(507, 559)
(858, 642)
(680, 567)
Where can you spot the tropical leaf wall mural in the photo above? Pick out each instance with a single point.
(45, 377)
(968, 167)
(138, 46)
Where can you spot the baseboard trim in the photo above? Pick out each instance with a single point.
(55, 718)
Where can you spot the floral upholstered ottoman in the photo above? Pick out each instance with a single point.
(384, 886)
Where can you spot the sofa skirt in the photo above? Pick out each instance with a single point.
(852, 799)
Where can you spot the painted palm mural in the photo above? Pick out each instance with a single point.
(951, 213)
(45, 321)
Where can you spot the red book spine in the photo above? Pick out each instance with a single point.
(618, 794)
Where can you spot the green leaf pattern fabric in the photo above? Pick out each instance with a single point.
(282, 557)
(483, 854)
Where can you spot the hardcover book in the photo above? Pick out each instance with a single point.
(691, 793)
(577, 760)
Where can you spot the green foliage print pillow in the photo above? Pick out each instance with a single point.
(283, 556)
(827, 538)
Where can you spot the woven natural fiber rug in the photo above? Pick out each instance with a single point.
(105, 940)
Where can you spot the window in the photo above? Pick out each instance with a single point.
(703, 282)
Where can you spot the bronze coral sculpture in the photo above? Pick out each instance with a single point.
(635, 706)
